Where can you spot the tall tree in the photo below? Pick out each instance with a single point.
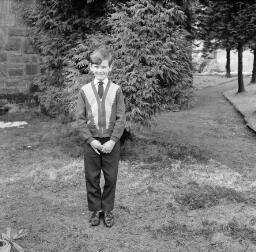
(213, 37)
(253, 49)
(149, 43)
(253, 79)
(228, 71)
(234, 21)
(226, 45)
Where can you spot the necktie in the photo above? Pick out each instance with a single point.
(100, 89)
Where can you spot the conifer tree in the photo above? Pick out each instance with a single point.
(233, 21)
(150, 45)
(253, 48)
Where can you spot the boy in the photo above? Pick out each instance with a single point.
(101, 122)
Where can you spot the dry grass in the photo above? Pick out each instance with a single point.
(193, 196)
(164, 202)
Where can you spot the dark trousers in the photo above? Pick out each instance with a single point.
(93, 164)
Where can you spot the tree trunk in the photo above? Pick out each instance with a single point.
(253, 80)
(228, 75)
(240, 68)
(187, 5)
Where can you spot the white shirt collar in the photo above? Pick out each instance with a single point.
(105, 82)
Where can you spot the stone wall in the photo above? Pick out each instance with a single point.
(19, 63)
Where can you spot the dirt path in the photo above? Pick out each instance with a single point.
(214, 126)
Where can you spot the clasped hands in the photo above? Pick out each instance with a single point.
(105, 148)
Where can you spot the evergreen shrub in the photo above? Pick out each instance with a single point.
(56, 26)
(151, 52)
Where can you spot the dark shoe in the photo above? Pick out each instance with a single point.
(108, 218)
(95, 218)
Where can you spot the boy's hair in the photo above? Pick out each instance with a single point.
(100, 54)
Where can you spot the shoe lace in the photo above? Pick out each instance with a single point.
(109, 215)
(95, 214)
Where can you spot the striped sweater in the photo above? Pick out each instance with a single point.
(101, 117)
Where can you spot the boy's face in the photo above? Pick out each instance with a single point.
(101, 71)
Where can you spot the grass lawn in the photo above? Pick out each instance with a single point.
(202, 81)
(245, 103)
(170, 196)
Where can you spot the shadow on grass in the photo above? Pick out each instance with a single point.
(240, 231)
(148, 150)
(152, 150)
(194, 196)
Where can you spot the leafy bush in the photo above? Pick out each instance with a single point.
(151, 58)
(56, 26)
(151, 52)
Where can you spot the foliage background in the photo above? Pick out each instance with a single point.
(149, 42)
(228, 25)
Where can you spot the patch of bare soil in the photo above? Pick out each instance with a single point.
(170, 197)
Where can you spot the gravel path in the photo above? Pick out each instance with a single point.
(213, 125)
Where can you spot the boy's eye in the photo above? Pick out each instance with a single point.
(100, 67)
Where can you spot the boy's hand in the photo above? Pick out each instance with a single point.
(96, 145)
(108, 146)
